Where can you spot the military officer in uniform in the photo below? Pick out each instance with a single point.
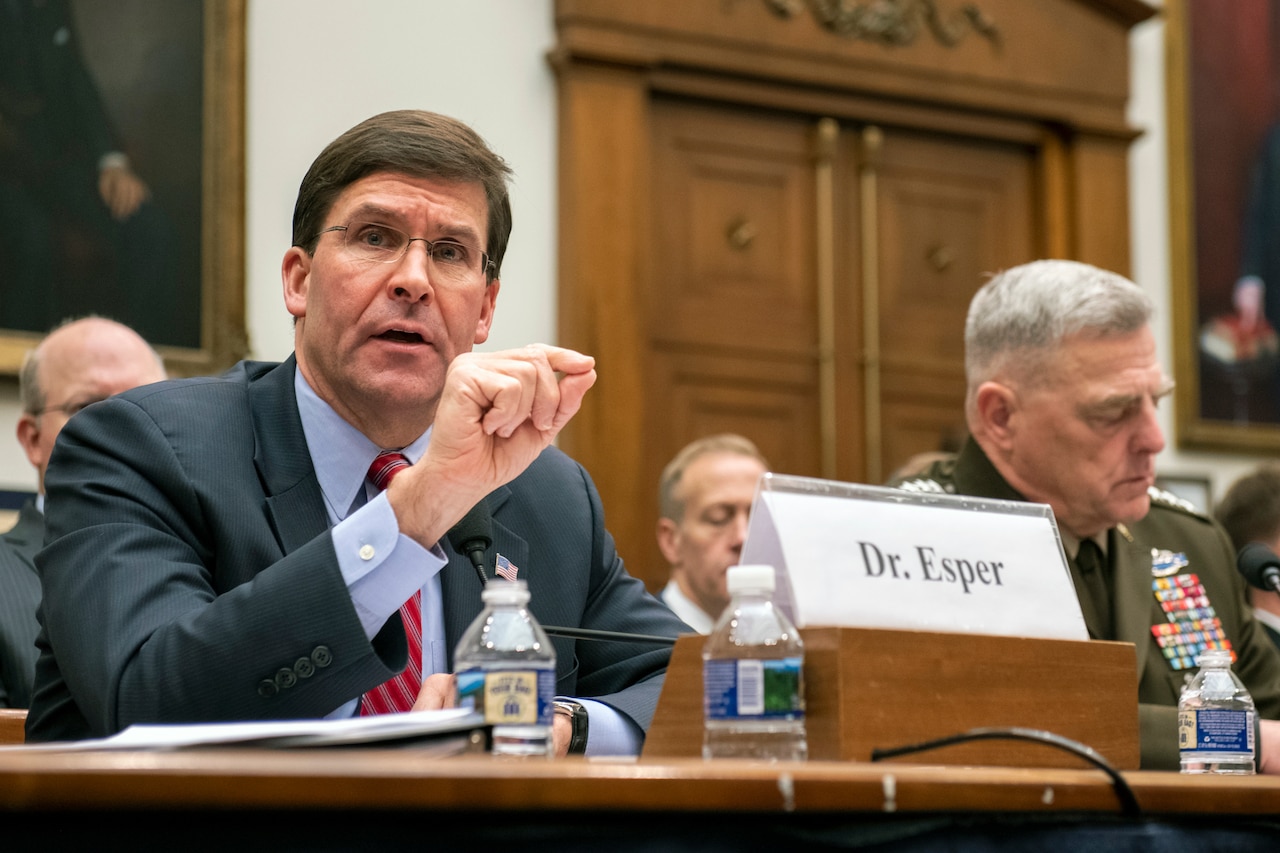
(1063, 385)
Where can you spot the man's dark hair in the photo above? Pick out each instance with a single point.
(1250, 510)
(410, 142)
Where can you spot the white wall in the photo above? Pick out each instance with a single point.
(316, 67)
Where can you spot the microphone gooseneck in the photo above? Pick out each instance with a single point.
(612, 636)
(1260, 566)
(472, 536)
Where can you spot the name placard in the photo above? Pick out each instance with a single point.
(873, 557)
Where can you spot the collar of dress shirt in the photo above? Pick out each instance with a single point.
(340, 453)
(687, 609)
(1071, 544)
(1268, 618)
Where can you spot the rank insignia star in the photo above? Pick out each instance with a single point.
(1165, 563)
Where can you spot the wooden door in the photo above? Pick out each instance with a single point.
(731, 310)
(772, 223)
(948, 212)
(734, 313)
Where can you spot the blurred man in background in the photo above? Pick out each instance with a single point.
(77, 364)
(705, 497)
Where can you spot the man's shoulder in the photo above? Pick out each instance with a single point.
(27, 533)
(189, 394)
(938, 478)
(1175, 524)
(552, 463)
(553, 483)
(1167, 505)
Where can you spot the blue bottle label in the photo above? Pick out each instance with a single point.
(509, 697)
(752, 689)
(1215, 730)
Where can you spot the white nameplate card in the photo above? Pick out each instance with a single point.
(873, 557)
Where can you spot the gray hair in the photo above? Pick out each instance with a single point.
(1027, 311)
(30, 393)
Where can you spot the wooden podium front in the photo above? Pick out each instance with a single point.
(871, 689)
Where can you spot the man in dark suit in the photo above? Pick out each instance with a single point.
(1250, 512)
(215, 549)
(1063, 385)
(78, 363)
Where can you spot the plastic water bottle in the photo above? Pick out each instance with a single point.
(506, 668)
(1216, 719)
(753, 676)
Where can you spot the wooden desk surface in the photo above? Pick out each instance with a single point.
(398, 779)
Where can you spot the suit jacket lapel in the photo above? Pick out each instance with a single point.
(294, 502)
(459, 585)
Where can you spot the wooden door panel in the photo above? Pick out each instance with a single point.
(950, 212)
(733, 230)
(916, 426)
(770, 403)
(689, 394)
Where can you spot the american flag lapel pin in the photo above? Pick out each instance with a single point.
(505, 569)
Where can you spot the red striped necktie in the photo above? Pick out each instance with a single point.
(399, 692)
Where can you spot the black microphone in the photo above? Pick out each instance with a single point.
(1260, 566)
(472, 536)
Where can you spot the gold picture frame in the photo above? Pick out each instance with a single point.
(1223, 94)
(219, 337)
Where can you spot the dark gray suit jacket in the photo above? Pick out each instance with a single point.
(19, 596)
(190, 575)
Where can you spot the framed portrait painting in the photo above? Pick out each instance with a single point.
(122, 173)
(1224, 184)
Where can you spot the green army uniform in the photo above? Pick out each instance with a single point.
(1173, 533)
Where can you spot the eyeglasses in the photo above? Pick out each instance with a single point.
(69, 409)
(451, 261)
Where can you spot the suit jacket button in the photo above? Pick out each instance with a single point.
(304, 667)
(285, 678)
(267, 688)
(321, 656)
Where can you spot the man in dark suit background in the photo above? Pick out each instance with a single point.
(215, 550)
(77, 364)
(1250, 511)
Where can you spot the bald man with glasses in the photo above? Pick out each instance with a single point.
(77, 364)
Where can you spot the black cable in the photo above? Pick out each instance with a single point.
(615, 636)
(1128, 802)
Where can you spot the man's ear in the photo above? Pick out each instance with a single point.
(29, 438)
(995, 405)
(669, 540)
(295, 276)
(485, 321)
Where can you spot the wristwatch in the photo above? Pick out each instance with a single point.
(577, 714)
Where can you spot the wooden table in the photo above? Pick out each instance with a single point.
(321, 799)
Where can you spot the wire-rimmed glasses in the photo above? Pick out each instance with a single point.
(450, 261)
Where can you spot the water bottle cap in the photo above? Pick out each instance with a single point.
(753, 577)
(1214, 657)
(498, 591)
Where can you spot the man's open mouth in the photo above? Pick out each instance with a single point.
(401, 336)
